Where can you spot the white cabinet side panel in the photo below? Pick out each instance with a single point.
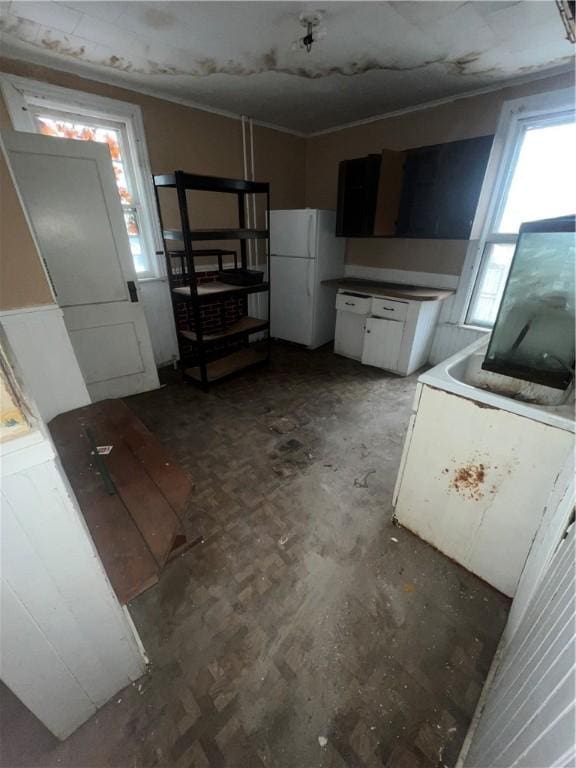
(476, 482)
(34, 671)
(423, 335)
(51, 566)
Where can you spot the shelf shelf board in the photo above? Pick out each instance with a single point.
(204, 252)
(194, 181)
(217, 234)
(243, 326)
(225, 366)
(217, 288)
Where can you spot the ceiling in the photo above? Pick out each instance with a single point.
(376, 57)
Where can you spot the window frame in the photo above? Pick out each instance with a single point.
(500, 197)
(24, 98)
(513, 115)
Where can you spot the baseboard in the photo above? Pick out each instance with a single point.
(402, 276)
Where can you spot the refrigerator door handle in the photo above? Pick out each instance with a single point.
(309, 232)
(308, 287)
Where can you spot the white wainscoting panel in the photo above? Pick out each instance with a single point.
(450, 339)
(67, 646)
(402, 276)
(529, 714)
(45, 359)
(160, 318)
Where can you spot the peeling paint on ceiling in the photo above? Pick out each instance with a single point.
(237, 56)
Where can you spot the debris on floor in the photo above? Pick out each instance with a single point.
(363, 481)
(287, 638)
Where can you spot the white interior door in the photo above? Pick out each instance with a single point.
(70, 195)
(292, 299)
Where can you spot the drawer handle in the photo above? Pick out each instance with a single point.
(350, 303)
(388, 309)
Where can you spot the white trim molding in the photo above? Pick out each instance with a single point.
(512, 115)
(20, 94)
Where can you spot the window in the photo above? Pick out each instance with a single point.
(56, 111)
(538, 184)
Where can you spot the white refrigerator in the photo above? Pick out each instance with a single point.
(304, 252)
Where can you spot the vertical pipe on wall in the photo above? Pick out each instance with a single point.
(252, 176)
(246, 178)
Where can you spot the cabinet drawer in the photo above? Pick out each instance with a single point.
(390, 309)
(353, 302)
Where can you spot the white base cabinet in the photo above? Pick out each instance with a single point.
(392, 334)
(474, 481)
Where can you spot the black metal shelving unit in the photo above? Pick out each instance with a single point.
(206, 356)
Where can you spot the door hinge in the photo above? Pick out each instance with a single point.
(132, 290)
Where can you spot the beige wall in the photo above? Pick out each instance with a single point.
(23, 282)
(301, 171)
(178, 137)
(462, 119)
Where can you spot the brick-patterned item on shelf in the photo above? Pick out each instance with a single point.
(217, 314)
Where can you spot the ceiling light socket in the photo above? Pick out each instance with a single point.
(311, 17)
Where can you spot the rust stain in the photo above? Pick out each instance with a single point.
(468, 481)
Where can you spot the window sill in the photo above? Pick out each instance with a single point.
(152, 279)
(470, 327)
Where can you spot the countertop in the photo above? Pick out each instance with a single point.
(390, 290)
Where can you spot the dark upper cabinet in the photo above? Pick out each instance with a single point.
(429, 192)
(357, 195)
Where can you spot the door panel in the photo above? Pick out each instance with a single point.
(70, 195)
(293, 233)
(121, 344)
(292, 299)
(382, 342)
(80, 251)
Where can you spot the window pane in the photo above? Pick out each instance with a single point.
(491, 286)
(543, 180)
(122, 182)
(71, 129)
(133, 229)
(68, 129)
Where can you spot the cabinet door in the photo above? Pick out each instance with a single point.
(357, 196)
(382, 342)
(441, 189)
(349, 334)
(463, 165)
(418, 205)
